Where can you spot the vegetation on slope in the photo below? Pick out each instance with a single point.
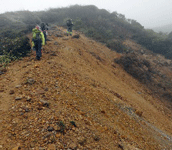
(99, 24)
(149, 74)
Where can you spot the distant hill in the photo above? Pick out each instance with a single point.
(165, 28)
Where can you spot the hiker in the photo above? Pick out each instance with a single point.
(37, 41)
(44, 28)
(69, 24)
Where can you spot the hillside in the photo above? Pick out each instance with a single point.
(111, 29)
(78, 97)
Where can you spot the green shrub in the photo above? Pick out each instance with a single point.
(13, 48)
(116, 46)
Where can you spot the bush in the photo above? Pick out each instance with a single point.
(137, 67)
(116, 46)
(13, 49)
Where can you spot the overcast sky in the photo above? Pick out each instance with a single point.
(149, 13)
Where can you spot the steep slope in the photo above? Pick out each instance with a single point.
(76, 97)
(151, 69)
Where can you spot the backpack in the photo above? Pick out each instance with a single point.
(42, 26)
(37, 38)
(69, 22)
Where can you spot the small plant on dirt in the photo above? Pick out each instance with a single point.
(96, 138)
(82, 142)
(73, 123)
(62, 126)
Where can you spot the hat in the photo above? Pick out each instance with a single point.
(37, 27)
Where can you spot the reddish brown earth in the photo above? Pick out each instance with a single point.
(76, 97)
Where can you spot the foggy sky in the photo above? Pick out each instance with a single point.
(149, 13)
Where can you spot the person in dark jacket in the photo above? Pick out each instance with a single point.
(44, 28)
(69, 24)
(37, 41)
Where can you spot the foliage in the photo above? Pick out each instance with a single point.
(98, 24)
(144, 71)
(13, 46)
(5, 60)
(117, 46)
(158, 43)
(137, 67)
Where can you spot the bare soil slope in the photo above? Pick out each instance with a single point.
(76, 97)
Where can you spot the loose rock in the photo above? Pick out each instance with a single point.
(18, 86)
(50, 128)
(11, 92)
(18, 98)
(31, 81)
(51, 147)
(45, 103)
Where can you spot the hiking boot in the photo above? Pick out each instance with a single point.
(37, 58)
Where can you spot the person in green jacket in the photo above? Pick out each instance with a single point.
(37, 41)
(69, 24)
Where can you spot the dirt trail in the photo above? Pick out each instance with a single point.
(77, 97)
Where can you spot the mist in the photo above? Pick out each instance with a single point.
(150, 14)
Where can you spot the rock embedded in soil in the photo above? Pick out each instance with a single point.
(31, 81)
(50, 128)
(28, 98)
(51, 147)
(18, 98)
(18, 86)
(11, 92)
(44, 103)
(16, 148)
